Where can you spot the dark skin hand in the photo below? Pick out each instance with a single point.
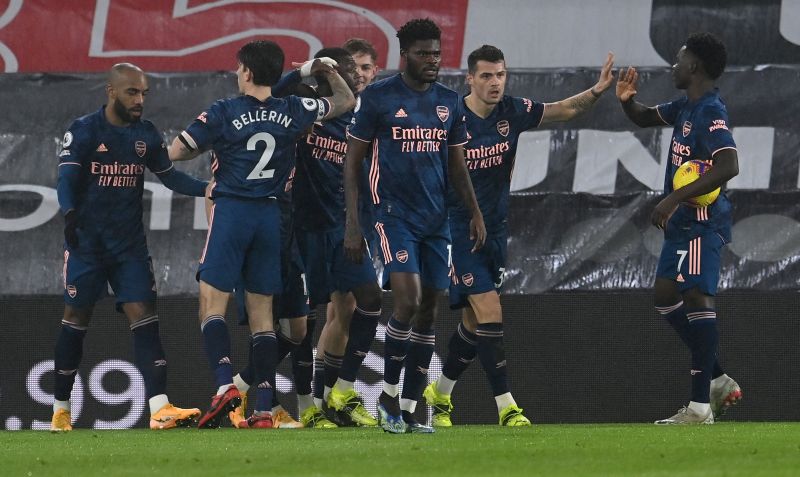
(726, 167)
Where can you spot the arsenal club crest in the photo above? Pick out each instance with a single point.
(443, 112)
(687, 128)
(72, 291)
(141, 148)
(468, 279)
(503, 127)
(402, 256)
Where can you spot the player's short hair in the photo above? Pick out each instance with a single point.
(489, 53)
(339, 54)
(264, 59)
(416, 30)
(357, 46)
(710, 51)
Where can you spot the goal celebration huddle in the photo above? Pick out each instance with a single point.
(320, 175)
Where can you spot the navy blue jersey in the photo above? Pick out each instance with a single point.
(701, 129)
(410, 132)
(490, 153)
(253, 141)
(108, 196)
(318, 192)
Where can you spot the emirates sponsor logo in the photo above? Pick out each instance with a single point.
(503, 128)
(443, 112)
(140, 147)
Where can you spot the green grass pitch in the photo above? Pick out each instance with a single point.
(724, 449)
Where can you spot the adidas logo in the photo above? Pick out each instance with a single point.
(360, 354)
(224, 360)
(397, 358)
(500, 364)
(695, 371)
(422, 370)
(400, 113)
(264, 385)
(160, 362)
(680, 278)
(101, 148)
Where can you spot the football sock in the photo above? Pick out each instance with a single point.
(303, 359)
(68, 353)
(461, 352)
(418, 360)
(149, 356)
(395, 350)
(157, 402)
(333, 362)
(493, 356)
(247, 374)
(218, 349)
(304, 401)
(242, 385)
(362, 332)
(704, 339)
(286, 345)
(701, 408)
(319, 380)
(265, 349)
(503, 401)
(676, 317)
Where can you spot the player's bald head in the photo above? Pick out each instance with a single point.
(123, 72)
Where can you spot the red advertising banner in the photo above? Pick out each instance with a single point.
(197, 35)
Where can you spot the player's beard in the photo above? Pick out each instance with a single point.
(417, 75)
(124, 113)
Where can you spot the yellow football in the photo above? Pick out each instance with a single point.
(689, 172)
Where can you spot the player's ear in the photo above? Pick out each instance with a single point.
(110, 91)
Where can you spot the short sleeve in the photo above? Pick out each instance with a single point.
(365, 117)
(715, 133)
(668, 112)
(204, 131)
(528, 113)
(457, 135)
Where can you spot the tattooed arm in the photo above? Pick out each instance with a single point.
(573, 106)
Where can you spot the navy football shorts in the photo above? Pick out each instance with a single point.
(692, 261)
(404, 251)
(86, 282)
(478, 272)
(327, 268)
(243, 241)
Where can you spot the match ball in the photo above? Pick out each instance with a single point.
(689, 172)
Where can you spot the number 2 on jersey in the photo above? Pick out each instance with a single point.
(261, 171)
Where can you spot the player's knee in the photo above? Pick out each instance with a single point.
(368, 299)
(694, 298)
(79, 317)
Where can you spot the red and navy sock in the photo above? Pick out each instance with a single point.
(265, 349)
(420, 352)
(704, 340)
(676, 317)
(362, 333)
(68, 353)
(333, 363)
(492, 355)
(461, 352)
(218, 348)
(303, 358)
(149, 355)
(395, 350)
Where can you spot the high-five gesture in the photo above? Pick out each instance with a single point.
(626, 84)
(606, 75)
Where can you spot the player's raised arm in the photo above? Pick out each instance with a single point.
(342, 99)
(641, 115)
(574, 106)
(459, 179)
(353, 238)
